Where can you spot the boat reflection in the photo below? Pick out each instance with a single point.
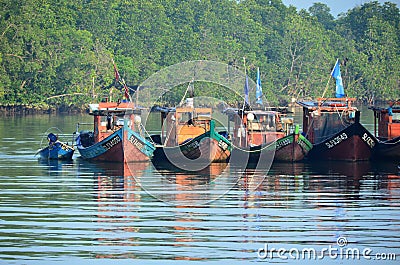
(190, 191)
(344, 168)
(328, 181)
(182, 187)
(118, 181)
(55, 167)
(393, 187)
(303, 193)
(185, 207)
(118, 195)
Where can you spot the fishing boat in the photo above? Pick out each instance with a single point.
(387, 130)
(189, 136)
(117, 134)
(269, 131)
(264, 134)
(55, 150)
(333, 126)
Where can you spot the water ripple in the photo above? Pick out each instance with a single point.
(79, 211)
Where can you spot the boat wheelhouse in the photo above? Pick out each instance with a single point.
(256, 131)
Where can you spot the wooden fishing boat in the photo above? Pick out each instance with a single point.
(188, 136)
(292, 147)
(268, 132)
(56, 150)
(117, 134)
(387, 130)
(333, 127)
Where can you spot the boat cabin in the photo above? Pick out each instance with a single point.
(257, 127)
(185, 123)
(387, 121)
(110, 117)
(327, 116)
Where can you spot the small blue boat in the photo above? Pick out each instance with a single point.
(56, 150)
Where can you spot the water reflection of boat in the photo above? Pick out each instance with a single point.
(117, 193)
(183, 187)
(285, 168)
(185, 177)
(344, 168)
(113, 169)
(55, 166)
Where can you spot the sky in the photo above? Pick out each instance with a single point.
(336, 6)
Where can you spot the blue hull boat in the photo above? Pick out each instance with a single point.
(56, 150)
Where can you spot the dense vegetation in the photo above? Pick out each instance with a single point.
(58, 47)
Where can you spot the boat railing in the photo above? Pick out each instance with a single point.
(84, 123)
(335, 102)
(78, 126)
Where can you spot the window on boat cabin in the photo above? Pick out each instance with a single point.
(263, 122)
(184, 117)
(396, 117)
(188, 118)
(115, 120)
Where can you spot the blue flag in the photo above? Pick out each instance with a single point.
(259, 89)
(246, 90)
(339, 83)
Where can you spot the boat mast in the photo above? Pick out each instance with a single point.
(330, 76)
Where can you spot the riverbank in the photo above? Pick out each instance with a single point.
(29, 109)
(42, 108)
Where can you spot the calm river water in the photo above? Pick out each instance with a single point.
(90, 213)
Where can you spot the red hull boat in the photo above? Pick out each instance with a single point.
(333, 127)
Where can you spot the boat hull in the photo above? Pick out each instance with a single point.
(292, 148)
(207, 148)
(124, 145)
(57, 151)
(389, 149)
(354, 143)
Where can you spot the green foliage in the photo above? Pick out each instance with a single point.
(321, 12)
(374, 62)
(58, 47)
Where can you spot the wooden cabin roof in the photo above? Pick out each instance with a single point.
(117, 108)
(395, 109)
(236, 111)
(327, 104)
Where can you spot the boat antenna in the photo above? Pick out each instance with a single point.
(330, 76)
(190, 89)
(121, 80)
(137, 95)
(245, 74)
